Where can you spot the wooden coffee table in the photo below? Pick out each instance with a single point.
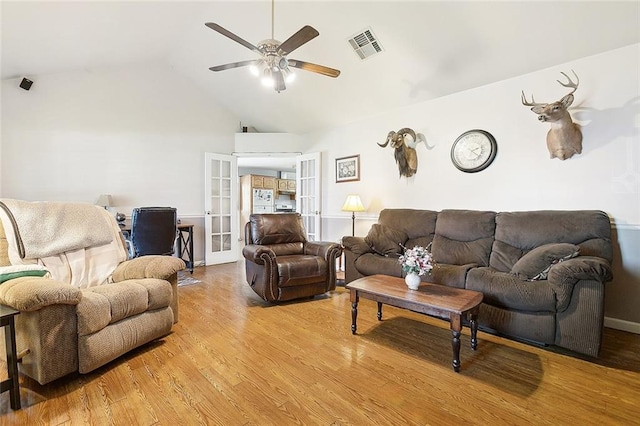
(432, 299)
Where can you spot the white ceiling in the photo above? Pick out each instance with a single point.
(431, 48)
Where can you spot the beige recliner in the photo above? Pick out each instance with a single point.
(93, 304)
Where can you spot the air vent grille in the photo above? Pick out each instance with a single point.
(365, 44)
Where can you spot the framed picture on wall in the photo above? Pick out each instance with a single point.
(348, 168)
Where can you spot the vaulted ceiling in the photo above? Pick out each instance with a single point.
(430, 48)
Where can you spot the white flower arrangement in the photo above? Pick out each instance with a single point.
(417, 260)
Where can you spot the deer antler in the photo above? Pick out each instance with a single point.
(570, 82)
(532, 103)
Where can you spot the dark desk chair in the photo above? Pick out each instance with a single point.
(153, 231)
(281, 264)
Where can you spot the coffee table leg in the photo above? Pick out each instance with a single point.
(379, 311)
(456, 327)
(473, 322)
(354, 310)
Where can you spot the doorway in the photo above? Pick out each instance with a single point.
(275, 165)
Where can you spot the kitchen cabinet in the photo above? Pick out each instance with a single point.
(263, 182)
(256, 181)
(287, 186)
(268, 182)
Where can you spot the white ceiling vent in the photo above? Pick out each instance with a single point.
(365, 44)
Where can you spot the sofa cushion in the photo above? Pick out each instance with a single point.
(125, 298)
(385, 240)
(372, 264)
(419, 241)
(414, 223)
(518, 232)
(110, 303)
(301, 270)
(277, 228)
(286, 249)
(463, 236)
(108, 343)
(506, 290)
(93, 312)
(449, 275)
(159, 292)
(535, 264)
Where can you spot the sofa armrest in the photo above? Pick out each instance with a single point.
(258, 253)
(326, 250)
(564, 275)
(33, 293)
(356, 245)
(152, 266)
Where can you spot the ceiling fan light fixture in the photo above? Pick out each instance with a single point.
(273, 66)
(267, 78)
(289, 77)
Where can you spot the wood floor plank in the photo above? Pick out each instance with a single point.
(234, 359)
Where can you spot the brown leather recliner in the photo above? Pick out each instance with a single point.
(281, 264)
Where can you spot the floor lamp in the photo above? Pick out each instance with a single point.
(353, 205)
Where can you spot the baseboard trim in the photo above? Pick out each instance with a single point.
(618, 324)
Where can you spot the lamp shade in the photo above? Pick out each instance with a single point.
(104, 200)
(353, 204)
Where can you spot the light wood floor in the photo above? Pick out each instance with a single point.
(235, 360)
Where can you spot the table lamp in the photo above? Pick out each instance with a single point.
(105, 201)
(353, 205)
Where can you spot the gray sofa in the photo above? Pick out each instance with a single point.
(542, 273)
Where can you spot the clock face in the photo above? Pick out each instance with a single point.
(473, 151)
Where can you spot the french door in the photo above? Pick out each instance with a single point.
(308, 193)
(221, 208)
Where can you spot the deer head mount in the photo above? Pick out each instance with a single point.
(564, 139)
(404, 142)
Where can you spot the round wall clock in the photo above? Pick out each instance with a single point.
(474, 151)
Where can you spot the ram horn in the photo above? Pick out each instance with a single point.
(389, 138)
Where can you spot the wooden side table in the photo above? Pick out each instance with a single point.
(7, 315)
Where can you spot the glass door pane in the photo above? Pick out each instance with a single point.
(308, 182)
(221, 183)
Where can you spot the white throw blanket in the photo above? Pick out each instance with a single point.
(79, 244)
(47, 228)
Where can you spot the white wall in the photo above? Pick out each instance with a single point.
(605, 176)
(138, 133)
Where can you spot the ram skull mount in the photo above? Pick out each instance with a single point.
(404, 143)
(564, 139)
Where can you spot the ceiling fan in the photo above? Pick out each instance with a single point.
(273, 64)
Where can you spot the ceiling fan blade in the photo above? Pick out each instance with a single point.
(233, 65)
(232, 36)
(308, 66)
(279, 82)
(303, 35)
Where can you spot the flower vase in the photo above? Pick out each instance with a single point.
(413, 280)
